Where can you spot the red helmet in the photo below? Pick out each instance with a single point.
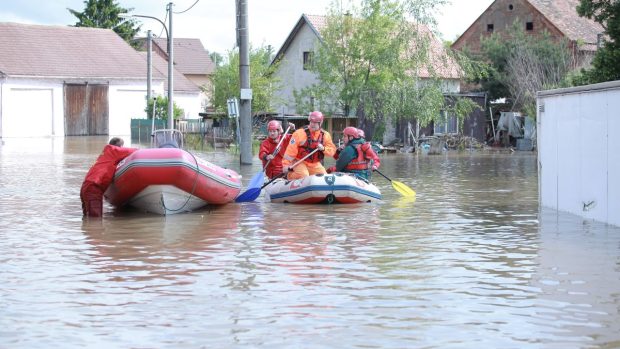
(315, 116)
(361, 133)
(351, 131)
(274, 125)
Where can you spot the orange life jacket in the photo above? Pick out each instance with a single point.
(310, 145)
(362, 162)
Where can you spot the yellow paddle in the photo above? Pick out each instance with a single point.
(400, 187)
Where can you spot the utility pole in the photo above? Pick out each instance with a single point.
(245, 103)
(170, 63)
(149, 66)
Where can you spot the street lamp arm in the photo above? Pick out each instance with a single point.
(124, 15)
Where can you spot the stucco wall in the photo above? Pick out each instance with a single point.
(579, 151)
(291, 73)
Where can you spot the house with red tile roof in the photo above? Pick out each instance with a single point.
(190, 59)
(64, 81)
(297, 50)
(557, 17)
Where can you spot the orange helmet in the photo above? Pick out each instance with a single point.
(351, 131)
(361, 133)
(274, 125)
(315, 116)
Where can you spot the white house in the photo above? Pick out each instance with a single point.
(63, 81)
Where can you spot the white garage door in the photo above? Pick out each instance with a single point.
(28, 113)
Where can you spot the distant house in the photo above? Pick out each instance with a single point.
(296, 53)
(558, 18)
(186, 94)
(190, 59)
(66, 81)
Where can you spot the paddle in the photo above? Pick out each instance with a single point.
(400, 187)
(252, 193)
(259, 178)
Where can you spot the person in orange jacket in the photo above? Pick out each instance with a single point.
(101, 175)
(268, 152)
(304, 141)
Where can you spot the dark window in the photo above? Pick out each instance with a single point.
(529, 26)
(490, 28)
(510, 7)
(308, 60)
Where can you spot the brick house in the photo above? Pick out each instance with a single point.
(558, 17)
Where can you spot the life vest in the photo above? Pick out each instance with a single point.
(362, 162)
(310, 145)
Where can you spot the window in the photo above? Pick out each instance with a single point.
(490, 28)
(510, 7)
(446, 124)
(529, 26)
(308, 60)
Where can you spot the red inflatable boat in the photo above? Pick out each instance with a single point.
(169, 181)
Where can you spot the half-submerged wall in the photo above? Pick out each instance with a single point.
(579, 150)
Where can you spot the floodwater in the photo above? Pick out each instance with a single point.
(472, 263)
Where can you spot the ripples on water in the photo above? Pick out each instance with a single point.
(471, 263)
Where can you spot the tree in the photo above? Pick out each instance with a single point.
(523, 64)
(262, 81)
(369, 64)
(105, 14)
(161, 109)
(606, 62)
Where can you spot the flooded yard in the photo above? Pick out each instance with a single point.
(473, 262)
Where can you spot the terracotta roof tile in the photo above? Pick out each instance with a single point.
(190, 57)
(67, 52)
(179, 81)
(563, 14)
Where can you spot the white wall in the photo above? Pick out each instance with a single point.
(32, 108)
(35, 108)
(191, 103)
(579, 151)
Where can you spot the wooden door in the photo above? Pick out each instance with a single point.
(86, 109)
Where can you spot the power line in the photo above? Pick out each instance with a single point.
(188, 8)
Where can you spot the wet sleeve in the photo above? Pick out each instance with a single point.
(263, 151)
(330, 148)
(292, 149)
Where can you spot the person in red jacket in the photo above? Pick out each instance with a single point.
(101, 175)
(269, 155)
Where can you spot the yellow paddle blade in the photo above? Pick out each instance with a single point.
(403, 189)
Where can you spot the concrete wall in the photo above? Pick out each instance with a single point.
(579, 151)
(35, 108)
(291, 73)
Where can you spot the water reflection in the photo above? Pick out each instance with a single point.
(471, 263)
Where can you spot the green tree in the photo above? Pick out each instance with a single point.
(262, 80)
(161, 109)
(105, 14)
(369, 64)
(606, 62)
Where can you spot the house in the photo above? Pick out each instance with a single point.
(190, 59)
(66, 81)
(187, 95)
(558, 18)
(296, 53)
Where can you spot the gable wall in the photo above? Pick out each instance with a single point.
(502, 19)
(290, 71)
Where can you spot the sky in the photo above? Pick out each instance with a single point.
(213, 21)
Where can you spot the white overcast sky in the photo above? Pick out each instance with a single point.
(213, 21)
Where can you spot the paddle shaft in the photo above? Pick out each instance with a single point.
(384, 176)
(293, 165)
(277, 147)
